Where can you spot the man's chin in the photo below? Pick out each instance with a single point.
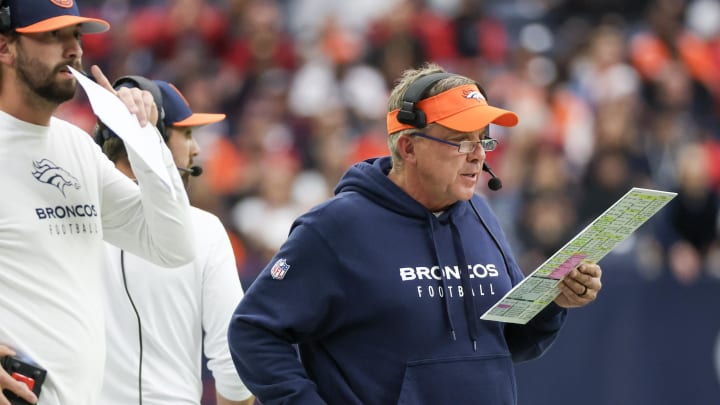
(61, 98)
(64, 93)
(466, 194)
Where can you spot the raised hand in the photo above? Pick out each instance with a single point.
(139, 102)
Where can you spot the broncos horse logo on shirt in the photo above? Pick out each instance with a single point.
(46, 171)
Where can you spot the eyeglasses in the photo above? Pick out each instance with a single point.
(488, 144)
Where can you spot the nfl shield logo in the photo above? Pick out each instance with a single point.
(279, 269)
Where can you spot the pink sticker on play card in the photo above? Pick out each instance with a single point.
(567, 266)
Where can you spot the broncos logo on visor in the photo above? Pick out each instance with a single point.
(48, 172)
(474, 94)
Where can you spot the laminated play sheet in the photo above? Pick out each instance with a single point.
(539, 288)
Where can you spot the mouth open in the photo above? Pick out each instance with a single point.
(64, 71)
(65, 68)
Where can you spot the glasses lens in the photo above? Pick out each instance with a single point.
(467, 146)
(489, 144)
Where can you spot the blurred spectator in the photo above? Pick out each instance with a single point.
(259, 41)
(265, 219)
(693, 216)
(608, 177)
(666, 40)
(547, 218)
(178, 37)
(478, 35)
(394, 42)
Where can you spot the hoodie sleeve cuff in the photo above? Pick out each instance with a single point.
(551, 317)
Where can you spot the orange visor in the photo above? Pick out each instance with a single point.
(462, 109)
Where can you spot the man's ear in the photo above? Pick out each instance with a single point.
(7, 54)
(406, 148)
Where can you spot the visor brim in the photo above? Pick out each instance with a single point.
(199, 119)
(477, 118)
(87, 25)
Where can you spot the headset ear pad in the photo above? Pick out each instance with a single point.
(5, 20)
(102, 133)
(148, 85)
(410, 115)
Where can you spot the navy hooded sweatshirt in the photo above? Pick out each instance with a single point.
(375, 300)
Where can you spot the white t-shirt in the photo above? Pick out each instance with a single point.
(175, 307)
(62, 197)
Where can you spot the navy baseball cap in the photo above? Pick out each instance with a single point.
(177, 109)
(33, 16)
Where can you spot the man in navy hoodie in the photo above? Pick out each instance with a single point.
(375, 298)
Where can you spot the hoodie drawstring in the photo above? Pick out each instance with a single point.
(442, 277)
(469, 298)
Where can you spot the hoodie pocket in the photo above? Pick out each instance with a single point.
(459, 381)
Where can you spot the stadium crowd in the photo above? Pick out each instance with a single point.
(611, 95)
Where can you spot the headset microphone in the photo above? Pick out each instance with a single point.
(193, 171)
(494, 183)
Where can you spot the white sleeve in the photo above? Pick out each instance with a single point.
(221, 293)
(149, 223)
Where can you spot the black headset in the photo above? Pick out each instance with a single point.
(5, 20)
(102, 133)
(417, 90)
(410, 115)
